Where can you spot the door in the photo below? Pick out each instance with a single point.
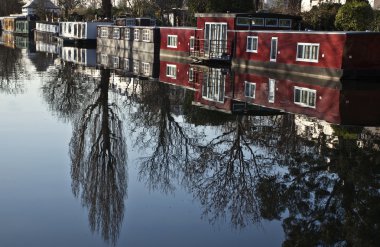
(215, 39)
(273, 49)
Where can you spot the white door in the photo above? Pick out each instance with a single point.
(215, 39)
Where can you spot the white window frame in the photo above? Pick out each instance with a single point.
(191, 74)
(171, 71)
(127, 34)
(271, 90)
(146, 35)
(251, 92)
(116, 33)
(136, 66)
(252, 49)
(172, 41)
(104, 32)
(136, 34)
(305, 97)
(192, 43)
(127, 64)
(145, 68)
(271, 48)
(115, 62)
(307, 52)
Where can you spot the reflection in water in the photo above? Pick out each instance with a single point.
(67, 90)
(12, 68)
(172, 143)
(98, 155)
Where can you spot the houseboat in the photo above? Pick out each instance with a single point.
(138, 64)
(46, 31)
(18, 24)
(326, 55)
(79, 32)
(79, 56)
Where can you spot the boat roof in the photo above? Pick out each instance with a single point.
(256, 14)
(34, 4)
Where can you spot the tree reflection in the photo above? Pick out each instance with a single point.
(229, 172)
(67, 90)
(98, 155)
(11, 69)
(336, 202)
(157, 127)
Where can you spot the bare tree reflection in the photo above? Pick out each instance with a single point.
(171, 141)
(67, 91)
(11, 70)
(229, 171)
(98, 155)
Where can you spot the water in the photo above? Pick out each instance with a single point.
(92, 157)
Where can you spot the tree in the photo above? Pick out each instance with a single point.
(354, 16)
(69, 5)
(220, 6)
(321, 17)
(10, 7)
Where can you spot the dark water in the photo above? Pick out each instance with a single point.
(91, 157)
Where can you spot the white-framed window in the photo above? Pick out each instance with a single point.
(145, 67)
(104, 59)
(249, 89)
(126, 64)
(272, 90)
(192, 42)
(305, 97)
(172, 41)
(171, 71)
(116, 33)
(252, 43)
(115, 61)
(191, 74)
(136, 66)
(259, 22)
(307, 52)
(127, 34)
(146, 35)
(104, 32)
(243, 21)
(284, 23)
(271, 22)
(136, 34)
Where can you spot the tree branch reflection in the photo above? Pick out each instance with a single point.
(11, 68)
(98, 155)
(67, 91)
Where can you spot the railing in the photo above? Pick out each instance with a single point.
(211, 49)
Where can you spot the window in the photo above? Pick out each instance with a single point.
(171, 71)
(252, 43)
(115, 61)
(271, 22)
(145, 68)
(250, 89)
(272, 86)
(191, 74)
(172, 41)
(126, 64)
(192, 42)
(285, 23)
(242, 21)
(104, 32)
(307, 52)
(146, 35)
(136, 34)
(104, 59)
(130, 22)
(305, 97)
(257, 22)
(136, 67)
(116, 33)
(127, 34)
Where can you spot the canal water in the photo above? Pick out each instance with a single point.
(93, 156)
